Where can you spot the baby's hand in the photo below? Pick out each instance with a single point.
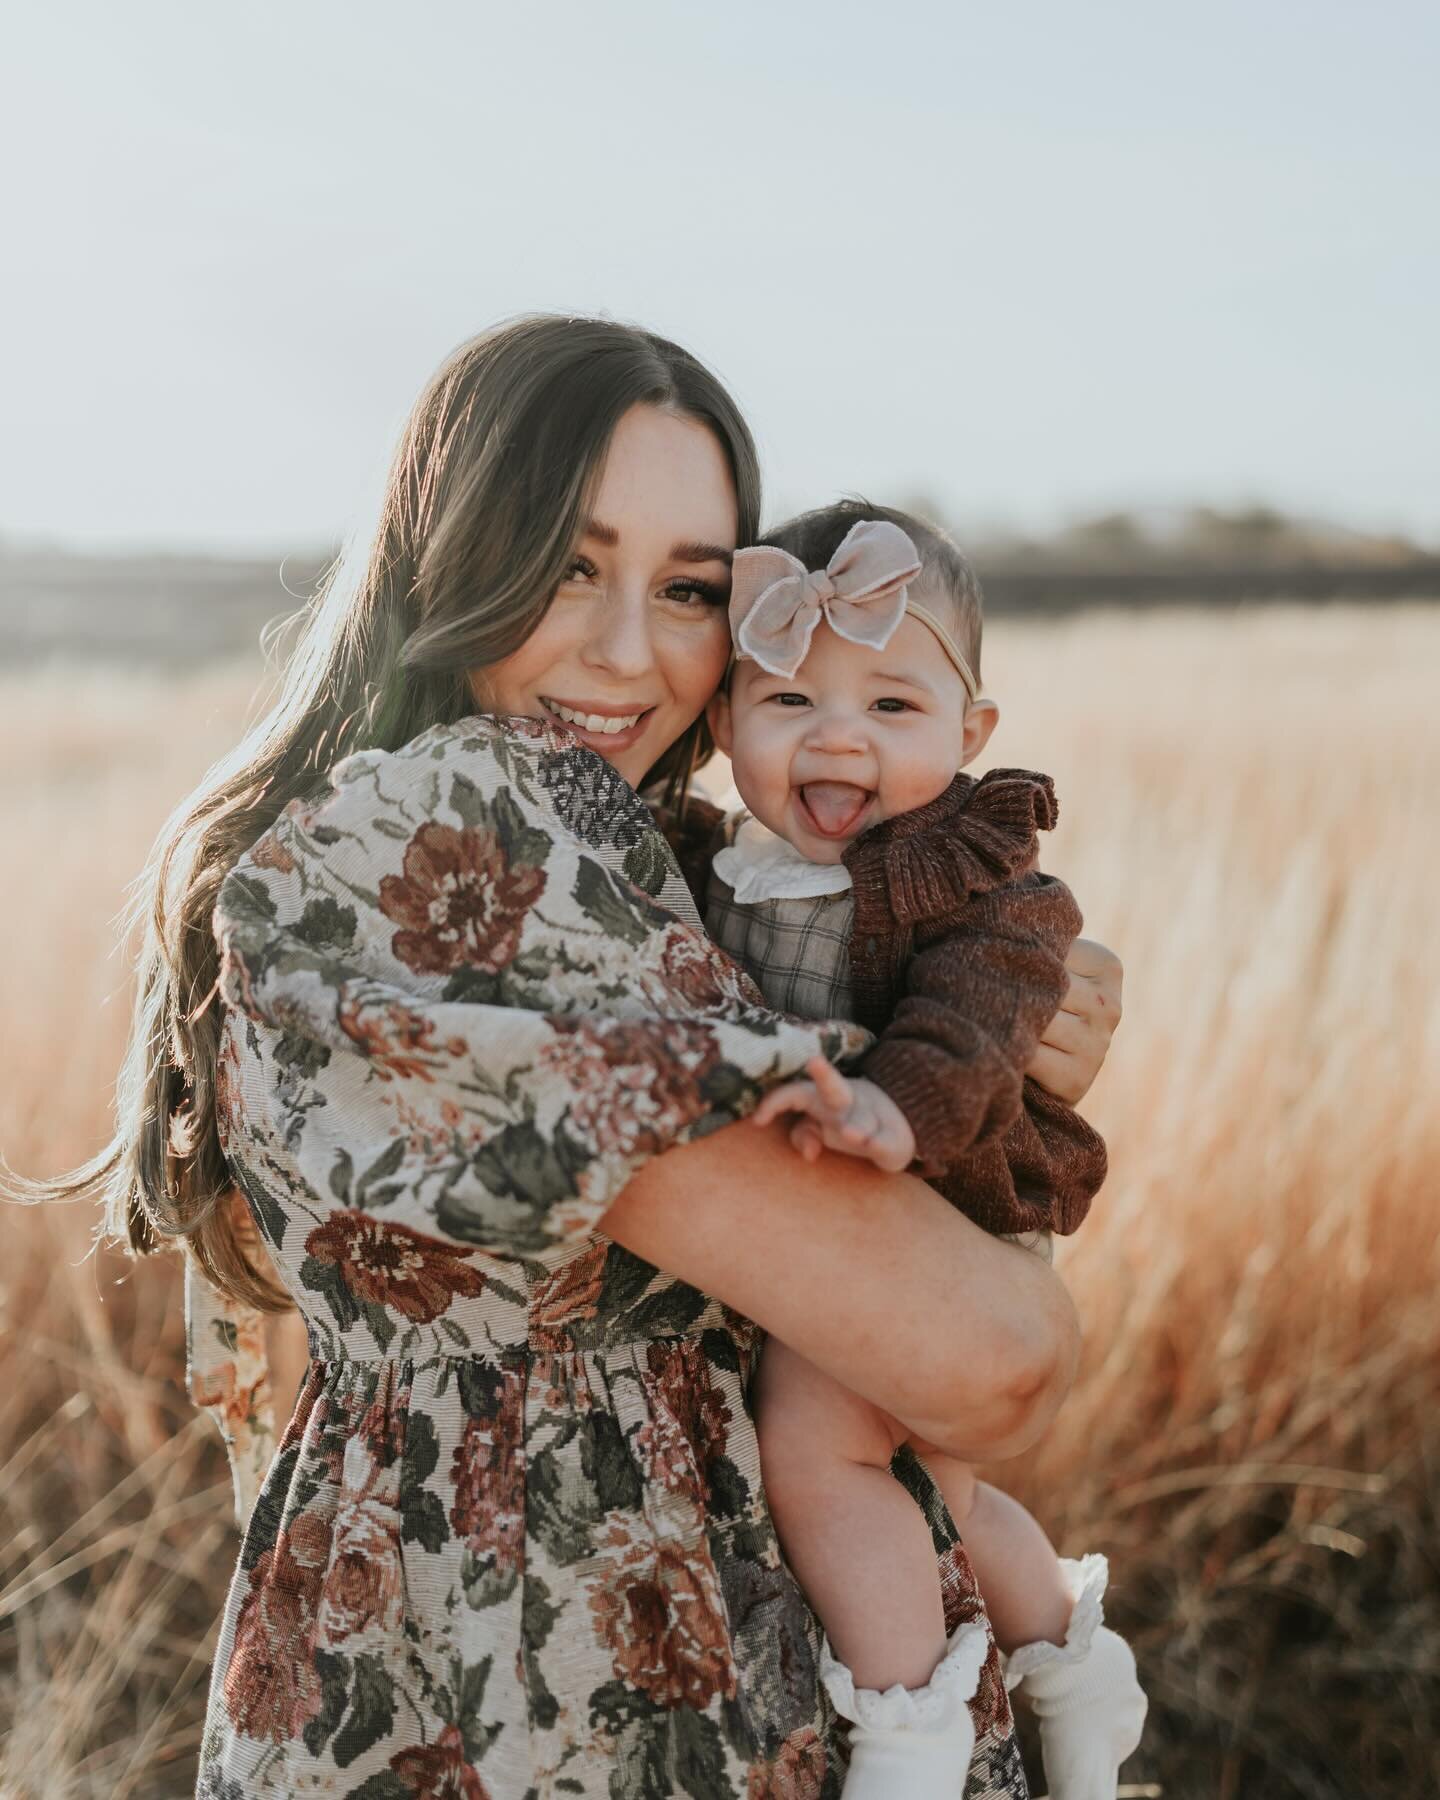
(853, 1116)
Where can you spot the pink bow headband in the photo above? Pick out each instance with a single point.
(776, 602)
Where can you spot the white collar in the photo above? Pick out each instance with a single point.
(761, 865)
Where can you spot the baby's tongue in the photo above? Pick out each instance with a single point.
(834, 805)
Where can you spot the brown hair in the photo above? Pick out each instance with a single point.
(482, 511)
(814, 537)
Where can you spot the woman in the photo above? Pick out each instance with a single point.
(480, 1080)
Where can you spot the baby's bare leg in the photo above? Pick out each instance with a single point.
(1014, 1562)
(857, 1542)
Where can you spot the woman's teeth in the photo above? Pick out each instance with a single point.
(590, 721)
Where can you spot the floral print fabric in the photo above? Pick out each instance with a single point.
(513, 1540)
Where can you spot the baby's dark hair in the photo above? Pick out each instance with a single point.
(814, 537)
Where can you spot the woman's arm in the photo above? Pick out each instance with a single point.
(457, 1018)
(970, 1342)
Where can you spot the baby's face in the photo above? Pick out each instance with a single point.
(854, 737)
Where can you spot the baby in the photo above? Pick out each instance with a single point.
(870, 879)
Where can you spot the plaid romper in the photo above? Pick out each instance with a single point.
(797, 951)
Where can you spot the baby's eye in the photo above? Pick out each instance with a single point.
(791, 699)
(891, 704)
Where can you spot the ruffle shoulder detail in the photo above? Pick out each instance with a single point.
(976, 836)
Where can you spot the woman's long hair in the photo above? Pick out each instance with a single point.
(482, 511)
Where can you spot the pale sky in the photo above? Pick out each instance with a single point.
(1030, 260)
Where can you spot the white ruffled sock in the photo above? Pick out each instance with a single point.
(911, 1743)
(1084, 1692)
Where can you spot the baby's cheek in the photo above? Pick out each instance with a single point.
(917, 773)
(770, 786)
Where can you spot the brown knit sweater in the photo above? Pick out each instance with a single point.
(957, 963)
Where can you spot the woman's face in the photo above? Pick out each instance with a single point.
(638, 635)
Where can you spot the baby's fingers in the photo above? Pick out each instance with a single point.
(792, 1096)
(831, 1085)
(890, 1140)
(893, 1148)
(805, 1137)
(856, 1129)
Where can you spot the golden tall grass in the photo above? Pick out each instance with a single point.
(1248, 805)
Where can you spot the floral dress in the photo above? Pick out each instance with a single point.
(512, 1542)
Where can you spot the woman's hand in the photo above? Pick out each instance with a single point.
(1077, 1040)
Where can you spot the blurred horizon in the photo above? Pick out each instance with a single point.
(185, 607)
(1039, 266)
(1114, 537)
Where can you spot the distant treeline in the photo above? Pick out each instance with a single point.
(1195, 557)
(186, 609)
(1039, 591)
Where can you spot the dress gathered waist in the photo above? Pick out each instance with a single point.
(494, 1334)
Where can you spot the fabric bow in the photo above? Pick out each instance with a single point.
(776, 602)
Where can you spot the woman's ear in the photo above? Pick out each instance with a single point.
(981, 718)
(717, 714)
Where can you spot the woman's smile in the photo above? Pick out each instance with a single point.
(615, 728)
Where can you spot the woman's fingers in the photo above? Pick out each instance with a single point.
(1070, 1053)
(1081, 997)
(1099, 966)
(1065, 1076)
(1073, 1046)
(1068, 1031)
(1087, 999)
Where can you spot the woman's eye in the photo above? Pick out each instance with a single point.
(692, 593)
(582, 569)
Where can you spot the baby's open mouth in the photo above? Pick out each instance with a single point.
(834, 807)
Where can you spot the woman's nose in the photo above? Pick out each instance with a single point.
(618, 642)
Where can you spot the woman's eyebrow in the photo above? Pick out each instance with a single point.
(692, 551)
(699, 552)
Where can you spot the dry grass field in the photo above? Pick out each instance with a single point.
(1248, 817)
